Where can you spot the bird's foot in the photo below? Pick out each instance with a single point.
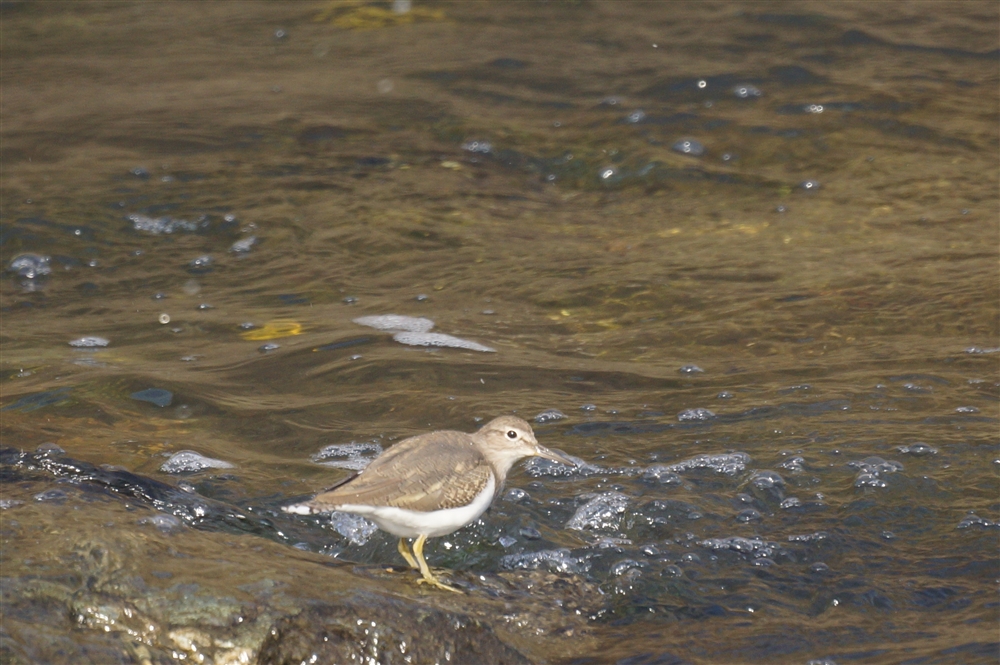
(433, 581)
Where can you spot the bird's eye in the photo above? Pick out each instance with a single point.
(511, 434)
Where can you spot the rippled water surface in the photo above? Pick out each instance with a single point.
(748, 252)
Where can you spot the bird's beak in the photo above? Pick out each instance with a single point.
(542, 451)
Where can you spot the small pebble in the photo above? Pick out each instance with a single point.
(530, 533)
(157, 396)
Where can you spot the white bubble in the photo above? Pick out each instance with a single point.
(438, 339)
(746, 92)
(89, 342)
(188, 460)
(602, 511)
(396, 323)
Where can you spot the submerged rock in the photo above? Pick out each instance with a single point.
(157, 396)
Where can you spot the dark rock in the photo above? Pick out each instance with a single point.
(371, 628)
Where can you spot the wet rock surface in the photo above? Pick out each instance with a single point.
(383, 630)
(133, 590)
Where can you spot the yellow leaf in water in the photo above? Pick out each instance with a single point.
(273, 330)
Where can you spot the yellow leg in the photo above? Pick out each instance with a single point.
(428, 578)
(405, 551)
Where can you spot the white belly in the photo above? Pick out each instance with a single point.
(412, 523)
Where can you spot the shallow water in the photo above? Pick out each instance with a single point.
(749, 251)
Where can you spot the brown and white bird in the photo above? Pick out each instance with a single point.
(432, 484)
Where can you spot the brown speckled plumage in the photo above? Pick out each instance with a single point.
(431, 471)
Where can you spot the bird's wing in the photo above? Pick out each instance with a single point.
(411, 475)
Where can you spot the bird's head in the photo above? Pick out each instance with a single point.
(507, 439)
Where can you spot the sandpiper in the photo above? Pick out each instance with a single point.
(433, 484)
